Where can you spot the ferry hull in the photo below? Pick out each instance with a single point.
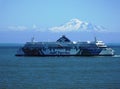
(80, 52)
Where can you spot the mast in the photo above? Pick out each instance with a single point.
(95, 39)
(32, 39)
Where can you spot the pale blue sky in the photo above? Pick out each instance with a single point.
(50, 13)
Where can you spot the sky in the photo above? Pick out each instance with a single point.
(22, 19)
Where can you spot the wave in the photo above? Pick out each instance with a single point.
(116, 56)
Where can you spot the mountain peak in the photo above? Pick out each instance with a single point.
(77, 25)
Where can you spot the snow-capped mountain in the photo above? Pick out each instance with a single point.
(77, 25)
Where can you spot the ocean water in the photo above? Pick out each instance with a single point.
(58, 72)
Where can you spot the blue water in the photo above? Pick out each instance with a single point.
(58, 72)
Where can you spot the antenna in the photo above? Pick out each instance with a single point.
(32, 39)
(95, 39)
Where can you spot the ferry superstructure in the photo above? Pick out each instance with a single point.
(64, 47)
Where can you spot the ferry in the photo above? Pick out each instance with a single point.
(65, 47)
